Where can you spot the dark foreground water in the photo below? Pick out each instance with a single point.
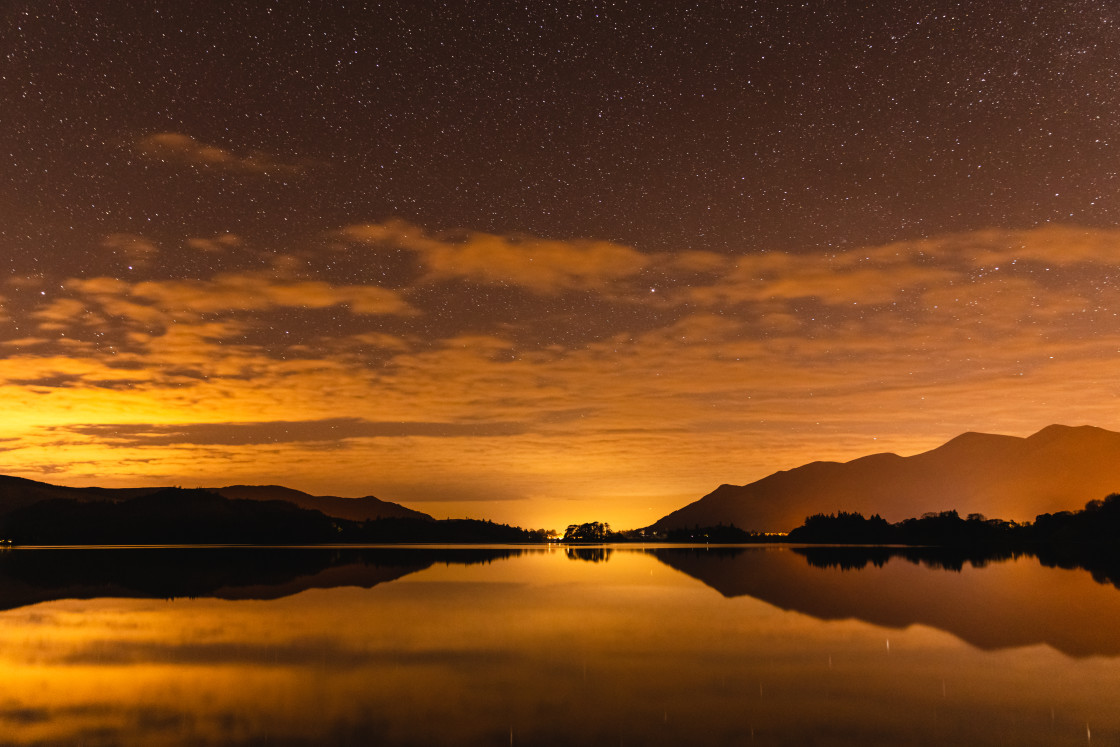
(499, 646)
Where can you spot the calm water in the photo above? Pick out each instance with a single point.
(612, 646)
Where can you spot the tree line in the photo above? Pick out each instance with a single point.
(1097, 524)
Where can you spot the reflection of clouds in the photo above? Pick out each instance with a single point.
(686, 369)
(541, 644)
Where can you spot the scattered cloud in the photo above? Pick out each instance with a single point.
(64, 313)
(258, 291)
(216, 245)
(540, 265)
(136, 251)
(153, 301)
(712, 369)
(176, 147)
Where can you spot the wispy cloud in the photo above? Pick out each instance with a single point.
(543, 266)
(334, 431)
(176, 147)
(226, 292)
(216, 245)
(135, 250)
(254, 291)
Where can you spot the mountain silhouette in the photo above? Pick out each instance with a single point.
(178, 516)
(354, 509)
(17, 492)
(1057, 469)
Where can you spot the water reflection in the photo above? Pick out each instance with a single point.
(500, 646)
(984, 599)
(589, 554)
(939, 558)
(28, 576)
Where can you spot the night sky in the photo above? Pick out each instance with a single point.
(548, 262)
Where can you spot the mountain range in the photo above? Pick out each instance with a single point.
(1060, 468)
(16, 492)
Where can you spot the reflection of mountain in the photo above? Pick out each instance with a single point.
(17, 491)
(1002, 605)
(32, 576)
(1059, 468)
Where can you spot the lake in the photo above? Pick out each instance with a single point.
(624, 645)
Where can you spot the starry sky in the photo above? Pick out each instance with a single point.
(548, 262)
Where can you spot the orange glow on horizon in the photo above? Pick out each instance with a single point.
(733, 368)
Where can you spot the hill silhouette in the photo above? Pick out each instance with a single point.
(168, 516)
(174, 516)
(1006, 476)
(17, 491)
(355, 509)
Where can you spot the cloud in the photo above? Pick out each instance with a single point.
(114, 297)
(217, 245)
(592, 389)
(151, 302)
(175, 147)
(331, 430)
(541, 265)
(934, 269)
(247, 291)
(818, 279)
(136, 250)
(1052, 245)
(63, 313)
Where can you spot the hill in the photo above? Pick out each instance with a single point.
(174, 516)
(354, 509)
(16, 492)
(1059, 468)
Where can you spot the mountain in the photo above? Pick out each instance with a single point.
(178, 516)
(1059, 468)
(168, 516)
(354, 509)
(16, 492)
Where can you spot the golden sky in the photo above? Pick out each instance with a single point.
(542, 382)
(548, 264)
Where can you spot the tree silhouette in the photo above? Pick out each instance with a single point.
(594, 531)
